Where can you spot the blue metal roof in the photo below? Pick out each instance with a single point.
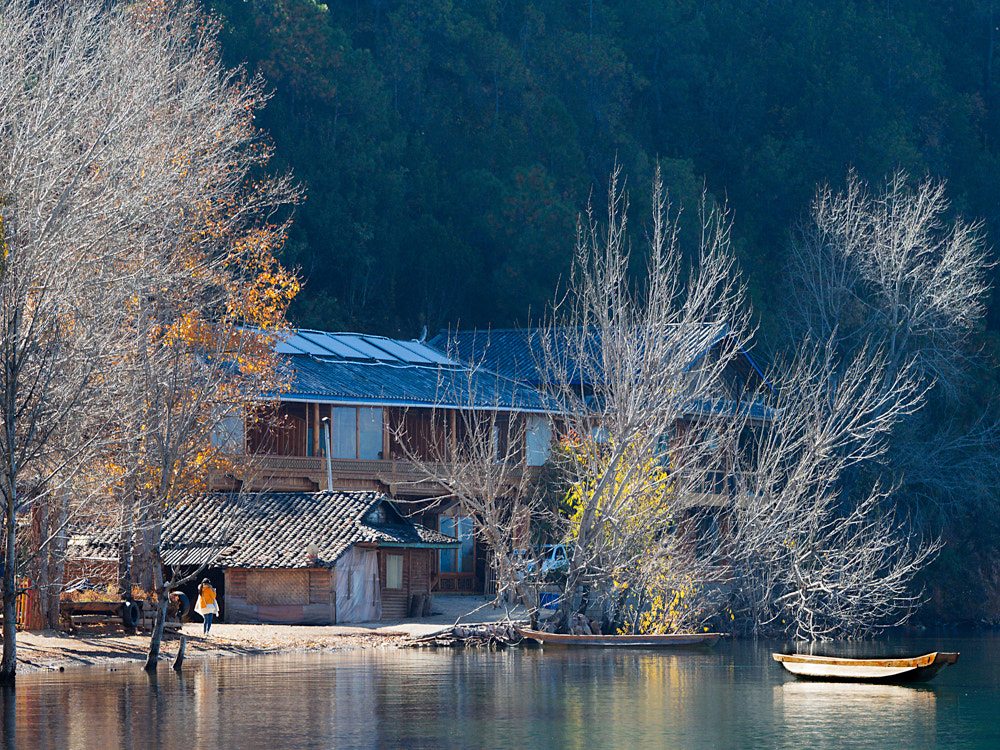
(521, 353)
(351, 368)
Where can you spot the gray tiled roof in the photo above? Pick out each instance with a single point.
(273, 530)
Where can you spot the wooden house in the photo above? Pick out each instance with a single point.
(324, 557)
(293, 557)
(352, 401)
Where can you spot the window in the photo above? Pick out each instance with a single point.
(460, 560)
(344, 429)
(356, 432)
(369, 433)
(227, 434)
(376, 515)
(539, 439)
(394, 571)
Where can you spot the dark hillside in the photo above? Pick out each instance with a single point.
(448, 147)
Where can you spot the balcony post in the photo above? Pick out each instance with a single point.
(314, 408)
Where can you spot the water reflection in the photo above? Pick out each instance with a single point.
(825, 709)
(733, 696)
(8, 730)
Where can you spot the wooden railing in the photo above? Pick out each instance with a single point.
(404, 475)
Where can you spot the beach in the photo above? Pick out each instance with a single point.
(109, 644)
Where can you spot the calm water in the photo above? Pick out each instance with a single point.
(732, 696)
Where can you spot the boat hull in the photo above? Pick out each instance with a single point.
(834, 669)
(622, 641)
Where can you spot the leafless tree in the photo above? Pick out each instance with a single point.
(808, 556)
(623, 367)
(887, 271)
(641, 373)
(130, 228)
(209, 297)
(473, 447)
(686, 489)
(61, 230)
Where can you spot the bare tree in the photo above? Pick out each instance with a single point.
(887, 271)
(209, 297)
(808, 556)
(63, 222)
(641, 373)
(131, 228)
(684, 488)
(624, 366)
(473, 447)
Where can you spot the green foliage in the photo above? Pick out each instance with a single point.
(448, 147)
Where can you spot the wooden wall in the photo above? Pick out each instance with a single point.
(301, 595)
(308, 595)
(416, 580)
(283, 432)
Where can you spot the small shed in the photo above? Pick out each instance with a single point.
(323, 557)
(295, 557)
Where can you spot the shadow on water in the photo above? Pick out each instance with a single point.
(8, 732)
(732, 696)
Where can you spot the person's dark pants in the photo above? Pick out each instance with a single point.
(208, 621)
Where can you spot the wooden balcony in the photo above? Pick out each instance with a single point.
(305, 473)
(716, 489)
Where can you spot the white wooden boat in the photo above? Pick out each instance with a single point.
(630, 641)
(836, 669)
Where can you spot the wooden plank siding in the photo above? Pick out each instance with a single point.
(416, 580)
(280, 596)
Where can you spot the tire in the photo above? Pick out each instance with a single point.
(130, 614)
(183, 604)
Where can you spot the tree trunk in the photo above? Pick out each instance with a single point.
(161, 615)
(180, 654)
(57, 559)
(125, 540)
(144, 566)
(156, 639)
(8, 665)
(35, 617)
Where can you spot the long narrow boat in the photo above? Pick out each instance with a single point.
(618, 641)
(835, 669)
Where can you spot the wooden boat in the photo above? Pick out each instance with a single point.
(835, 669)
(618, 641)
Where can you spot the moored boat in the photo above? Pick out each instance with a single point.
(836, 669)
(630, 641)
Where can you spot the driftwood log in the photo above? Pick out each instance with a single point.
(493, 636)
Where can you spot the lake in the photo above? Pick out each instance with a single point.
(732, 696)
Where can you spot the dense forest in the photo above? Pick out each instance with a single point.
(448, 147)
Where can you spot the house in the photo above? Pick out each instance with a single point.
(296, 557)
(381, 405)
(527, 356)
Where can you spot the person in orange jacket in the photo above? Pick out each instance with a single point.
(207, 605)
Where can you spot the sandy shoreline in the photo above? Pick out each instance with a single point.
(50, 650)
